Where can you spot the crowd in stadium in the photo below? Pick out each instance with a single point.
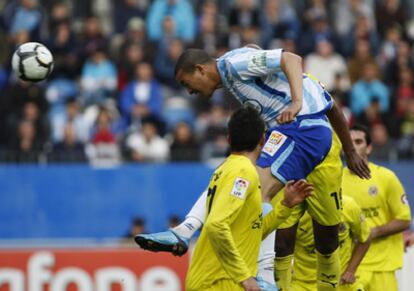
(112, 96)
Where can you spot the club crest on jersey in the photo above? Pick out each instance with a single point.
(240, 188)
(274, 142)
(373, 190)
(342, 227)
(404, 199)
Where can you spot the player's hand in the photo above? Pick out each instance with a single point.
(347, 278)
(251, 285)
(296, 192)
(289, 114)
(357, 165)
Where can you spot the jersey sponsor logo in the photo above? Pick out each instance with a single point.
(370, 211)
(274, 142)
(404, 199)
(373, 190)
(240, 188)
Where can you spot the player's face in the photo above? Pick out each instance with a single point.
(360, 143)
(196, 82)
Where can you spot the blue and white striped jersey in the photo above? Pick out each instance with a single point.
(255, 78)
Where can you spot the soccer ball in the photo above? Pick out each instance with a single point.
(32, 61)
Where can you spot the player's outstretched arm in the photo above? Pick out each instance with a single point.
(291, 65)
(360, 249)
(354, 162)
(294, 194)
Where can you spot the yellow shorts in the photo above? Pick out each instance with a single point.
(374, 281)
(356, 286)
(225, 285)
(325, 204)
(298, 285)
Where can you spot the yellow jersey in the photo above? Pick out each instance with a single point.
(382, 199)
(229, 244)
(352, 227)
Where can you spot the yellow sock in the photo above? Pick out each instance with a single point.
(283, 272)
(328, 270)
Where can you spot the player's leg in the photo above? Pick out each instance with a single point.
(176, 240)
(324, 207)
(285, 245)
(265, 268)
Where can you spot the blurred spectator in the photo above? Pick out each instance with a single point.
(141, 97)
(165, 63)
(99, 78)
(184, 146)
(136, 35)
(25, 15)
(362, 56)
(64, 48)
(25, 147)
(404, 92)
(406, 143)
(367, 89)
(125, 10)
(59, 14)
(70, 149)
(210, 35)
(279, 22)
(390, 12)
(92, 38)
(362, 30)
(147, 145)
(404, 59)
(104, 150)
(389, 47)
(333, 64)
(73, 116)
(346, 12)
(214, 131)
(137, 227)
(244, 22)
(318, 30)
(180, 11)
(382, 147)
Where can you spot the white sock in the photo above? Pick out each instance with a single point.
(267, 252)
(194, 219)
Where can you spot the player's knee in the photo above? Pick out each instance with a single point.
(326, 238)
(285, 241)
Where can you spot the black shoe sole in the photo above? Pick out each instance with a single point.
(178, 249)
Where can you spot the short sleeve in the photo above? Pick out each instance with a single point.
(252, 63)
(396, 198)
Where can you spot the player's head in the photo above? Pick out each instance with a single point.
(245, 130)
(361, 140)
(197, 72)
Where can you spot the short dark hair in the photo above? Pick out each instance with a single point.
(190, 58)
(245, 129)
(364, 129)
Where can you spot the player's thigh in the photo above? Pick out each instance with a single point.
(324, 206)
(382, 281)
(298, 285)
(225, 285)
